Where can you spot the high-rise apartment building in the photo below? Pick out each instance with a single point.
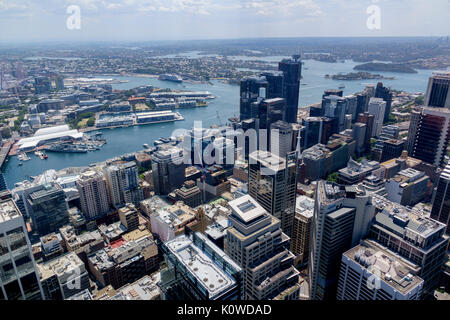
(93, 191)
(370, 271)
(19, 278)
(168, 170)
(292, 69)
(50, 209)
(429, 135)
(438, 93)
(256, 243)
(123, 184)
(272, 183)
(441, 200)
(342, 215)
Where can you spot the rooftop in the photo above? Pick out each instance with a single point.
(8, 211)
(401, 219)
(63, 266)
(246, 208)
(268, 160)
(304, 206)
(399, 273)
(145, 288)
(210, 276)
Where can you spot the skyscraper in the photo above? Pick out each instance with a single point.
(292, 69)
(368, 120)
(441, 200)
(272, 183)
(281, 138)
(377, 108)
(275, 81)
(50, 209)
(19, 277)
(385, 94)
(342, 215)
(302, 229)
(429, 135)
(438, 93)
(168, 170)
(252, 89)
(94, 197)
(256, 243)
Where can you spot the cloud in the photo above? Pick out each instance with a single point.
(283, 7)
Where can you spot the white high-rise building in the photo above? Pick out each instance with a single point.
(377, 108)
(280, 138)
(257, 244)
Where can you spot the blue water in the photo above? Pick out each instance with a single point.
(226, 105)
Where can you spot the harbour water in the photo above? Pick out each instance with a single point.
(226, 105)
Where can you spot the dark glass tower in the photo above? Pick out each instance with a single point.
(292, 69)
(385, 94)
(438, 93)
(252, 88)
(441, 201)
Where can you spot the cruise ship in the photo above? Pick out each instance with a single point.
(170, 77)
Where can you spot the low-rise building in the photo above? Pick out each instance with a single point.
(356, 172)
(172, 221)
(125, 263)
(408, 187)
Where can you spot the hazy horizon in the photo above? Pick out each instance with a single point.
(31, 21)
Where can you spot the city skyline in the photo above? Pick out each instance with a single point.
(134, 20)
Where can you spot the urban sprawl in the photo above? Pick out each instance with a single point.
(346, 199)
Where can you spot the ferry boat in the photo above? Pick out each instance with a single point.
(170, 77)
(341, 86)
(146, 146)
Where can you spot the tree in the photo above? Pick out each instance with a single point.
(91, 122)
(333, 177)
(419, 100)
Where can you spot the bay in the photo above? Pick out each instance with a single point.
(125, 140)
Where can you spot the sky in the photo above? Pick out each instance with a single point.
(147, 20)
